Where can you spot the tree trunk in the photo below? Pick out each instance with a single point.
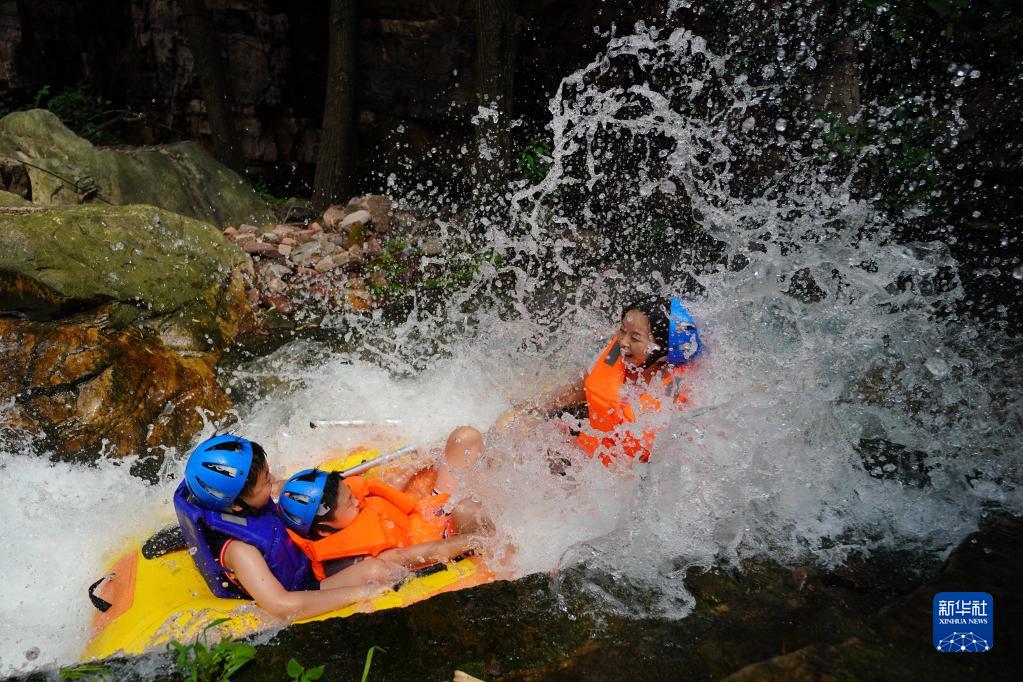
(333, 161)
(213, 79)
(495, 70)
(838, 87)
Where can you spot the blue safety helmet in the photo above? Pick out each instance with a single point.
(301, 500)
(216, 470)
(683, 337)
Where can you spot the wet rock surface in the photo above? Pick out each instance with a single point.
(112, 319)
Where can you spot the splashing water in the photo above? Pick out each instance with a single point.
(842, 405)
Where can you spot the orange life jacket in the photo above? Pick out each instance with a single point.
(608, 411)
(430, 518)
(384, 522)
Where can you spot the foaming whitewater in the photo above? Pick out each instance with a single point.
(62, 524)
(842, 404)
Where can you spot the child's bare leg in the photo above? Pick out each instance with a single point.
(470, 518)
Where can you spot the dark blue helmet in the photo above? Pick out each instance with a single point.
(683, 337)
(217, 469)
(302, 500)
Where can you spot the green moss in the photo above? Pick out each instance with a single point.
(66, 169)
(155, 263)
(8, 199)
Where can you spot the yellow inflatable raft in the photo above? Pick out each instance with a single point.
(154, 600)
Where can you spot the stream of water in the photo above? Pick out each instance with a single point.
(844, 403)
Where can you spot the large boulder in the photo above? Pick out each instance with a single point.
(66, 169)
(112, 319)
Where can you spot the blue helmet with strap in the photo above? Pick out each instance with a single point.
(217, 469)
(301, 500)
(683, 337)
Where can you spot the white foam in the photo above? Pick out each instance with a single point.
(62, 524)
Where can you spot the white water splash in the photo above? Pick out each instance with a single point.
(822, 332)
(63, 523)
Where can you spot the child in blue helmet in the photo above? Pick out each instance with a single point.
(357, 523)
(239, 543)
(643, 365)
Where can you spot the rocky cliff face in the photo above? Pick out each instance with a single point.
(415, 82)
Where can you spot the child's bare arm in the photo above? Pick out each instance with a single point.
(546, 404)
(438, 551)
(254, 575)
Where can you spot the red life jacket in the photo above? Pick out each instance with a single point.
(608, 411)
(384, 522)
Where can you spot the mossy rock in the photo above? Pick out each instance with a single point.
(164, 267)
(8, 199)
(66, 169)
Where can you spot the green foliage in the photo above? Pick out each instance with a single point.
(534, 160)
(202, 663)
(405, 274)
(838, 135)
(84, 671)
(298, 672)
(394, 263)
(263, 190)
(88, 114)
(899, 144)
(369, 660)
(949, 9)
(653, 236)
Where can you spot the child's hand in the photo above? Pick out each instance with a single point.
(509, 416)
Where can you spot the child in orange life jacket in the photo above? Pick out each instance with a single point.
(362, 527)
(642, 366)
(239, 542)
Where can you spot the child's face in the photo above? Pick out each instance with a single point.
(635, 339)
(260, 493)
(343, 511)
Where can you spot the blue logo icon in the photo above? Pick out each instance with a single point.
(964, 622)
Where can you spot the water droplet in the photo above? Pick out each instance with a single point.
(975, 74)
(937, 367)
(1018, 272)
(780, 125)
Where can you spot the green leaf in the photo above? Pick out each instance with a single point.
(295, 669)
(84, 671)
(369, 660)
(314, 674)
